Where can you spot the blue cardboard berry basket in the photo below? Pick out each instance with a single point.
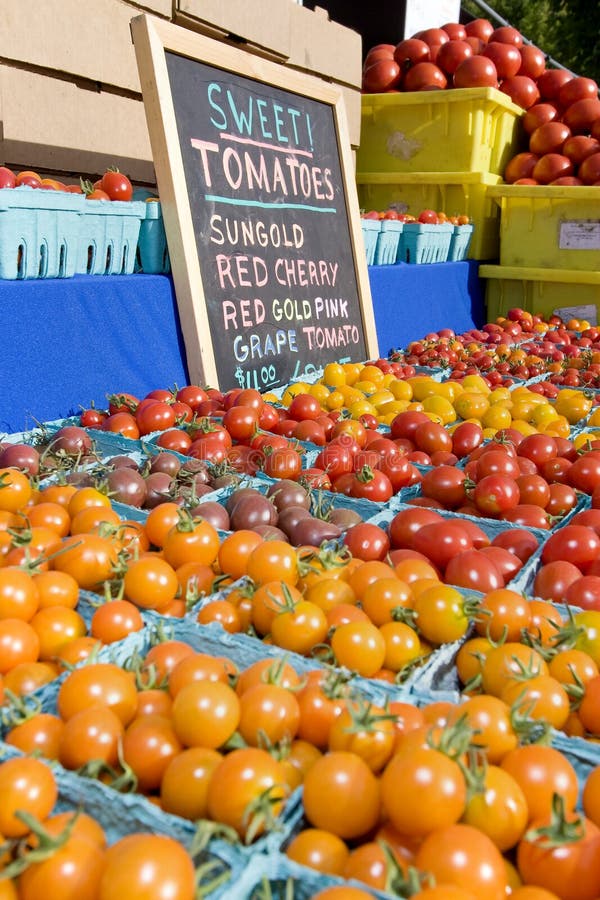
(460, 242)
(276, 877)
(388, 242)
(422, 243)
(108, 237)
(370, 231)
(39, 233)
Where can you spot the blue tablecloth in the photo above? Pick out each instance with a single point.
(410, 301)
(66, 342)
(70, 341)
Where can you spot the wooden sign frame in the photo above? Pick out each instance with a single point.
(154, 40)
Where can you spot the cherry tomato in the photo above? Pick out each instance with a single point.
(75, 868)
(116, 185)
(367, 541)
(237, 785)
(285, 462)
(150, 865)
(98, 684)
(441, 541)
(577, 544)
(148, 746)
(494, 495)
(318, 849)
(463, 856)
(542, 771)
(554, 867)
(205, 714)
(184, 785)
(423, 791)
(471, 569)
(441, 615)
(359, 646)
(445, 484)
(330, 789)
(26, 784)
(15, 489)
(406, 523)
(90, 734)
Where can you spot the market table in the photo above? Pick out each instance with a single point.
(73, 340)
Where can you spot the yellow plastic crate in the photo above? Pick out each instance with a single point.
(454, 193)
(564, 292)
(549, 227)
(459, 130)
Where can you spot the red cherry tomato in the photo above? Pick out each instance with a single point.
(496, 494)
(473, 570)
(116, 185)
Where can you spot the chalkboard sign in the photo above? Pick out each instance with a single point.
(255, 176)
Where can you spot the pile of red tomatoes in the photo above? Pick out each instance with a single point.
(458, 56)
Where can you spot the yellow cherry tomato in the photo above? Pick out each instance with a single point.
(364, 386)
(574, 405)
(559, 427)
(334, 375)
(496, 417)
(361, 408)
(299, 387)
(320, 392)
(392, 407)
(401, 390)
(524, 427)
(520, 389)
(499, 394)
(582, 441)
(372, 373)
(381, 396)
(352, 372)
(335, 400)
(423, 386)
(440, 407)
(471, 405)
(522, 409)
(350, 394)
(543, 414)
(450, 389)
(475, 383)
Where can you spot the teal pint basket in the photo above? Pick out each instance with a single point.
(39, 233)
(388, 242)
(460, 242)
(108, 237)
(370, 230)
(152, 251)
(422, 243)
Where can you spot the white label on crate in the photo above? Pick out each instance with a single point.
(584, 235)
(589, 312)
